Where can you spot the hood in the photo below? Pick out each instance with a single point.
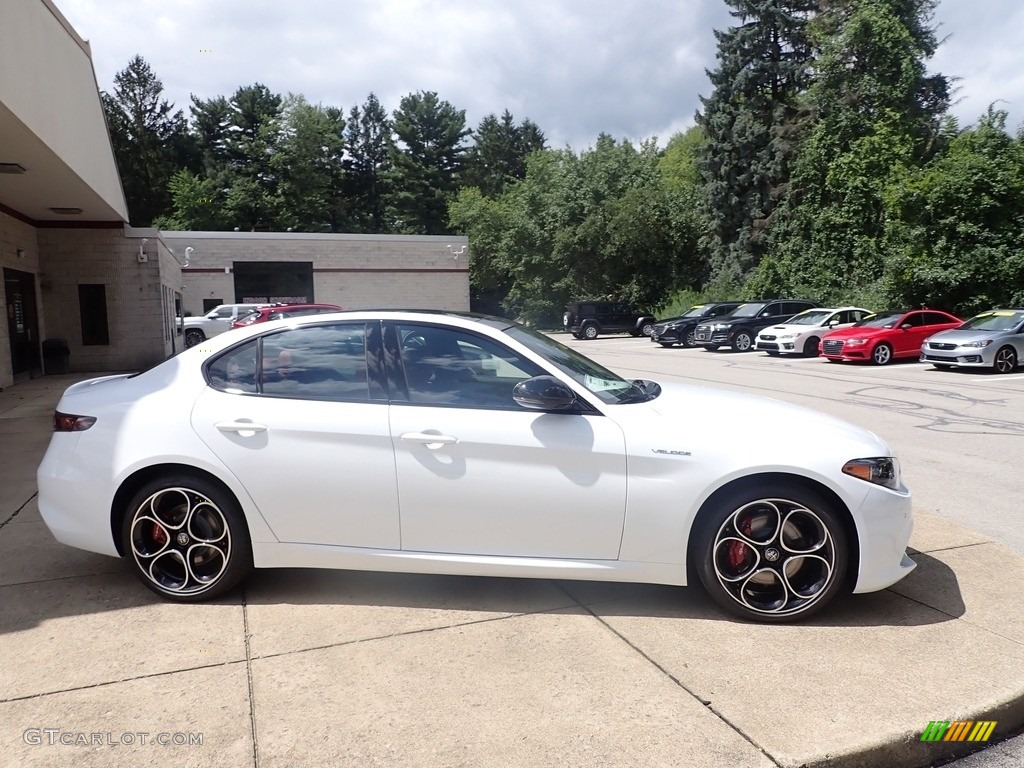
(958, 336)
(737, 417)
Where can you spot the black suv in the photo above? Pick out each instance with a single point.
(587, 319)
(680, 330)
(740, 328)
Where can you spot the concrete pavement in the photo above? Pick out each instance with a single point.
(308, 668)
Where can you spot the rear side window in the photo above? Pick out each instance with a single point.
(934, 318)
(312, 363)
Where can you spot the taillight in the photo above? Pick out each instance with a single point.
(69, 422)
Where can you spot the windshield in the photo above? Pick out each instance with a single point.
(746, 310)
(881, 320)
(811, 317)
(696, 311)
(999, 320)
(608, 386)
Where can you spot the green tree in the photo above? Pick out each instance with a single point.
(877, 118)
(426, 161)
(751, 125)
(308, 167)
(149, 138)
(252, 196)
(499, 151)
(367, 166)
(956, 228)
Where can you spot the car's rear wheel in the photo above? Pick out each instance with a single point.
(811, 347)
(186, 539)
(194, 337)
(647, 328)
(1005, 360)
(882, 354)
(590, 331)
(742, 342)
(771, 553)
(690, 339)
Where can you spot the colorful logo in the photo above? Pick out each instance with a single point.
(959, 730)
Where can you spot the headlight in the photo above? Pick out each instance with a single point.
(977, 344)
(856, 342)
(720, 327)
(787, 336)
(882, 470)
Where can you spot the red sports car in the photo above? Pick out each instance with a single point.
(886, 335)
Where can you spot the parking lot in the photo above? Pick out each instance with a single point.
(341, 668)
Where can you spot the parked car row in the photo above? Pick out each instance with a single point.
(993, 339)
(227, 316)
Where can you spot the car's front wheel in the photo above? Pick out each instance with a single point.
(742, 342)
(665, 344)
(186, 539)
(811, 347)
(772, 553)
(882, 354)
(194, 337)
(1005, 360)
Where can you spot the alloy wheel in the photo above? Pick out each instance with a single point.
(1005, 361)
(882, 354)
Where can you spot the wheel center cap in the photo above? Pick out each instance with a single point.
(182, 539)
(771, 554)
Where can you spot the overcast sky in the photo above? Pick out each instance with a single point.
(632, 69)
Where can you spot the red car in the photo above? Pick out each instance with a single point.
(886, 335)
(279, 311)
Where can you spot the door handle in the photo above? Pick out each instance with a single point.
(241, 428)
(431, 441)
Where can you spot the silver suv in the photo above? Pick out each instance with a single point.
(215, 322)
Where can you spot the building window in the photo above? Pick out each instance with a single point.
(92, 304)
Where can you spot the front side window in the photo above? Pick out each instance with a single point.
(449, 366)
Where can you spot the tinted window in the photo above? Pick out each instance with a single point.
(748, 310)
(448, 366)
(934, 318)
(236, 370)
(914, 319)
(322, 362)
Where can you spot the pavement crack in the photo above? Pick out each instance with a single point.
(18, 510)
(705, 702)
(248, 678)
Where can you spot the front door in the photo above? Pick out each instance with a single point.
(480, 475)
(22, 323)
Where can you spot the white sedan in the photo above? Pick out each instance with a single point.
(445, 443)
(801, 334)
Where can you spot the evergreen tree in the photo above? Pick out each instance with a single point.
(877, 116)
(499, 152)
(367, 165)
(252, 199)
(149, 138)
(750, 123)
(426, 162)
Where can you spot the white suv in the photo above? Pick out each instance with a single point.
(801, 333)
(215, 322)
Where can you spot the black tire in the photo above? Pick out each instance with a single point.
(577, 335)
(772, 553)
(186, 539)
(811, 347)
(690, 338)
(1005, 360)
(647, 328)
(881, 354)
(590, 331)
(742, 342)
(666, 344)
(193, 337)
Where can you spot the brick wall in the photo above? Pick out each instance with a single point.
(354, 271)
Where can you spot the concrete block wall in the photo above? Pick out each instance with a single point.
(354, 271)
(135, 304)
(15, 236)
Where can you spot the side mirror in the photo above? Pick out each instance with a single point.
(906, 327)
(544, 393)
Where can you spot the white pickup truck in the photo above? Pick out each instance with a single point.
(216, 321)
